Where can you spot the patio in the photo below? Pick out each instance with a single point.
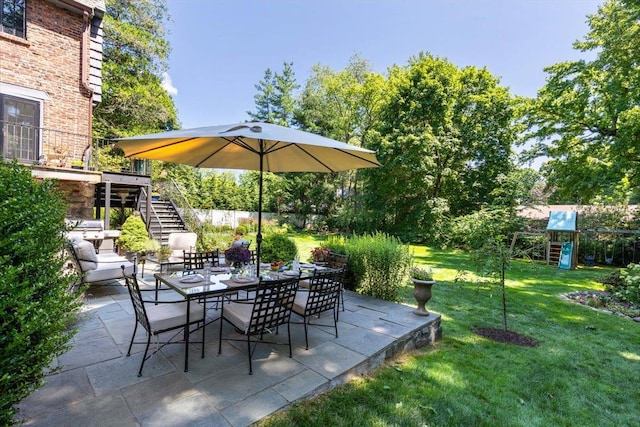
(98, 385)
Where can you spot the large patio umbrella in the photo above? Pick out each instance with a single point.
(259, 146)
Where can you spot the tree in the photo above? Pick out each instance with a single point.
(342, 105)
(134, 59)
(444, 137)
(586, 118)
(275, 100)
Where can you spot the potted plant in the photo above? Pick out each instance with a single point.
(422, 278)
(319, 254)
(164, 252)
(133, 236)
(77, 164)
(152, 247)
(236, 256)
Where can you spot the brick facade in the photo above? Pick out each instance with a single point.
(49, 60)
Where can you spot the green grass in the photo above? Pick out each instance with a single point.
(584, 373)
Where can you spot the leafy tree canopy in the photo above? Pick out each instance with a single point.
(444, 137)
(135, 54)
(586, 118)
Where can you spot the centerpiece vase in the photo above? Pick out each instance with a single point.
(422, 294)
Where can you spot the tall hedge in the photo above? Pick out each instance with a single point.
(36, 309)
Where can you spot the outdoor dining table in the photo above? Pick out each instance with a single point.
(218, 285)
(192, 286)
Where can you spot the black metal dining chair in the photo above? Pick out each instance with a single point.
(267, 310)
(196, 260)
(321, 296)
(158, 317)
(339, 261)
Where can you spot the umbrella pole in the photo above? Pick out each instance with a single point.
(259, 235)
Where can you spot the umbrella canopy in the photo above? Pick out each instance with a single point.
(259, 146)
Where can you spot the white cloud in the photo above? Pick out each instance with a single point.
(168, 85)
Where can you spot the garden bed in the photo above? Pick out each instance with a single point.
(603, 301)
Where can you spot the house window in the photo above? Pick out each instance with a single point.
(20, 131)
(13, 18)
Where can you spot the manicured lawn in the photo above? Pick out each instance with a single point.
(585, 372)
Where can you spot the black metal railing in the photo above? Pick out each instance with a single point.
(169, 190)
(61, 149)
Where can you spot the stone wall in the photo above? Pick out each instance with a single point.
(80, 197)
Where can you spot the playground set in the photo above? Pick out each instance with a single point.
(564, 244)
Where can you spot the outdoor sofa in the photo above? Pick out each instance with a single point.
(96, 267)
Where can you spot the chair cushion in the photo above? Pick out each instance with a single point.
(86, 254)
(110, 257)
(109, 270)
(169, 316)
(179, 242)
(304, 284)
(300, 302)
(238, 314)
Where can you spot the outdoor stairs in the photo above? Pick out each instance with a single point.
(165, 220)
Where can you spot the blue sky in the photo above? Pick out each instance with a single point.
(221, 49)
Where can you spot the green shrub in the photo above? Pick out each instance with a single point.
(213, 240)
(630, 292)
(242, 229)
(336, 243)
(472, 231)
(134, 236)
(36, 309)
(250, 224)
(378, 264)
(278, 247)
(270, 226)
(152, 246)
(612, 282)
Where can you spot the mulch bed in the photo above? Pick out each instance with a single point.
(508, 337)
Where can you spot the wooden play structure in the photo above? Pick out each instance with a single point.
(557, 245)
(562, 246)
(549, 229)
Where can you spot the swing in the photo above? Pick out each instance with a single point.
(589, 260)
(608, 260)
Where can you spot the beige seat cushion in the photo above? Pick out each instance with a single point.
(166, 316)
(179, 242)
(304, 284)
(109, 270)
(238, 314)
(300, 302)
(86, 253)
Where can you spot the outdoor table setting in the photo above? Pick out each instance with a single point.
(200, 285)
(213, 282)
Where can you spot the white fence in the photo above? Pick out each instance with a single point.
(232, 218)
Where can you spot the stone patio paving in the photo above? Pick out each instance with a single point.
(98, 384)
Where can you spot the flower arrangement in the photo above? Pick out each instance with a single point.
(320, 254)
(237, 254)
(420, 273)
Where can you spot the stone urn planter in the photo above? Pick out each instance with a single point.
(422, 294)
(422, 280)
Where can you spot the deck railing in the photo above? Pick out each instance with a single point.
(61, 149)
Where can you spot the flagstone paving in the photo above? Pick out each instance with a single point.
(98, 385)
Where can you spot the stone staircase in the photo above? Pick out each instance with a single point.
(165, 219)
